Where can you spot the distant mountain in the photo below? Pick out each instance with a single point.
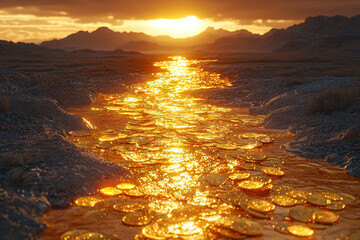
(101, 39)
(105, 39)
(315, 34)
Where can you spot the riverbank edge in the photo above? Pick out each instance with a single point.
(284, 101)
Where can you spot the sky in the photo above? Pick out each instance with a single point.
(38, 20)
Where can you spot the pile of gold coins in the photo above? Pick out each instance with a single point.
(199, 170)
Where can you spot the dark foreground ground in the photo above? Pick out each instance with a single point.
(40, 168)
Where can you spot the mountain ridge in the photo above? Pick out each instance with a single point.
(309, 33)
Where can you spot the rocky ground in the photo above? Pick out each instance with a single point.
(39, 167)
(316, 98)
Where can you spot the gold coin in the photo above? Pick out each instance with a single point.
(332, 196)
(80, 133)
(255, 213)
(302, 214)
(260, 205)
(325, 217)
(283, 200)
(250, 184)
(266, 139)
(298, 194)
(347, 198)
(282, 189)
(239, 176)
(247, 166)
(336, 206)
(71, 235)
(282, 227)
(300, 231)
(134, 192)
(88, 201)
(125, 186)
(247, 227)
(261, 178)
(129, 206)
(318, 199)
(273, 171)
(255, 156)
(138, 218)
(110, 191)
(92, 236)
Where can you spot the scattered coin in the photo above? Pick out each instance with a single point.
(260, 205)
(300, 231)
(88, 201)
(273, 171)
(250, 184)
(325, 217)
(283, 200)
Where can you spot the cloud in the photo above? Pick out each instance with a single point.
(90, 10)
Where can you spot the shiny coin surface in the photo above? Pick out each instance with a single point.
(318, 199)
(260, 205)
(239, 176)
(300, 231)
(302, 213)
(125, 186)
(273, 171)
(247, 227)
(250, 184)
(336, 206)
(325, 217)
(110, 191)
(283, 200)
(88, 201)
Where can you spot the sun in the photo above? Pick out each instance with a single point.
(177, 28)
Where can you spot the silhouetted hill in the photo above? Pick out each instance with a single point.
(105, 39)
(315, 34)
(101, 39)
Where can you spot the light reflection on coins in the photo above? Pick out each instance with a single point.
(172, 142)
(260, 205)
(250, 184)
(87, 201)
(300, 231)
(283, 200)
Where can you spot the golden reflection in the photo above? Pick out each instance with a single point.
(193, 163)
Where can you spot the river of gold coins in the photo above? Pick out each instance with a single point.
(199, 170)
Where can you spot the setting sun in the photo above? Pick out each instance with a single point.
(179, 28)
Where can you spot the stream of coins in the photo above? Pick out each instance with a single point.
(200, 171)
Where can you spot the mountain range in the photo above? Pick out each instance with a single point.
(315, 33)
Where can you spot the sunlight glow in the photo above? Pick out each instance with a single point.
(177, 28)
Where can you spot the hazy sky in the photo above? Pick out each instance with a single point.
(35, 20)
